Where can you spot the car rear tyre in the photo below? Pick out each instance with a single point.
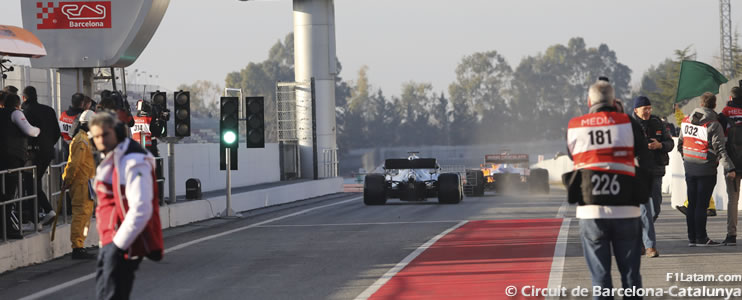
(479, 190)
(540, 179)
(449, 189)
(374, 190)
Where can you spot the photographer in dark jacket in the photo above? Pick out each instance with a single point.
(660, 143)
(41, 148)
(731, 120)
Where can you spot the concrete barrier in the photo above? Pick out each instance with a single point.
(38, 248)
(556, 167)
(255, 166)
(673, 182)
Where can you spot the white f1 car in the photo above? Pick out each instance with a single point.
(412, 179)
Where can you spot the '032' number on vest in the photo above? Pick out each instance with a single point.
(604, 184)
(690, 130)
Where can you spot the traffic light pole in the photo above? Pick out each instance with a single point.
(228, 212)
(171, 171)
(170, 166)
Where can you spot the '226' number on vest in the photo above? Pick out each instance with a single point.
(605, 185)
(599, 137)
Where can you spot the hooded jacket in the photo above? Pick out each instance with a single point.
(717, 149)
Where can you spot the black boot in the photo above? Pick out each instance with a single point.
(81, 253)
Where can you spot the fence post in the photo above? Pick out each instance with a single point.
(36, 201)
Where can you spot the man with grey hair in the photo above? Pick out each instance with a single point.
(606, 185)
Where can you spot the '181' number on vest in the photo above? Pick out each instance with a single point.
(604, 184)
(599, 137)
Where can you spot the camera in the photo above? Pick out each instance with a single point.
(157, 109)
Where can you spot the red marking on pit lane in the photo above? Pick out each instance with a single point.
(479, 261)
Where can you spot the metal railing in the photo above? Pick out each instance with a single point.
(329, 163)
(20, 199)
(54, 189)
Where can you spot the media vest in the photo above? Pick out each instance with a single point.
(141, 128)
(695, 140)
(602, 148)
(65, 125)
(734, 114)
(112, 207)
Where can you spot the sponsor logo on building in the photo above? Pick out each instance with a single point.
(74, 15)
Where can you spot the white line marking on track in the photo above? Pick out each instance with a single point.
(360, 224)
(393, 271)
(59, 287)
(557, 264)
(562, 210)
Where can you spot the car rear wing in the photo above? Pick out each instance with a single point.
(505, 158)
(403, 163)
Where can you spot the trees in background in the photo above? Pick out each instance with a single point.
(488, 102)
(660, 83)
(204, 98)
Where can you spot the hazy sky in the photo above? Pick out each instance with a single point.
(422, 40)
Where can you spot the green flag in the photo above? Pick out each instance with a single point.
(697, 78)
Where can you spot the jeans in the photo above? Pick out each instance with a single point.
(114, 275)
(656, 196)
(622, 236)
(733, 192)
(700, 189)
(648, 235)
(650, 213)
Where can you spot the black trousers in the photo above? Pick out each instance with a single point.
(41, 166)
(114, 276)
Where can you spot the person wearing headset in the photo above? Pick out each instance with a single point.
(127, 214)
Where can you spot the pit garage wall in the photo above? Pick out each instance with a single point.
(255, 166)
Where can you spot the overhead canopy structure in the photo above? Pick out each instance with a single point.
(16, 41)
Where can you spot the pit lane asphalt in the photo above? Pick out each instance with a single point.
(333, 252)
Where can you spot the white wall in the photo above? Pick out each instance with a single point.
(556, 167)
(255, 166)
(673, 182)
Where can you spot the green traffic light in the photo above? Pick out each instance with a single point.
(229, 137)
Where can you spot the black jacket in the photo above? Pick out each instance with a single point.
(655, 128)
(14, 142)
(726, 123)
(45, 119)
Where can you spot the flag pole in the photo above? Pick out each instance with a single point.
(677, 89)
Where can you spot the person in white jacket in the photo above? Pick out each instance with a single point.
(127, 203)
